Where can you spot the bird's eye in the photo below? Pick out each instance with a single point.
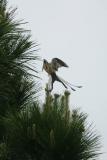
(44, 61)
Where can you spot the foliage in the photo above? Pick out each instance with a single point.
(28, 130)
(50, 133)
(17, 52)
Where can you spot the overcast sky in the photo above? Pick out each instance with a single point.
(76, 32)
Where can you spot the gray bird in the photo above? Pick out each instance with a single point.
(51, 69)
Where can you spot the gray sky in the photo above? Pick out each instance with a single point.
(76, 32)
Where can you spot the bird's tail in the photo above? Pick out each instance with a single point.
(67, 84)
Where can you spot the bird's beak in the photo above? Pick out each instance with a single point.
(44, 61)
(42, 67)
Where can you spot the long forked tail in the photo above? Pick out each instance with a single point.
(65, 83)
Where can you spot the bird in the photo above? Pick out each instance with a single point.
(51, 68)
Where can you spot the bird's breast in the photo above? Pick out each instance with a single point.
(48, 68)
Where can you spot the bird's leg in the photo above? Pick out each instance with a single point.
(50, 84)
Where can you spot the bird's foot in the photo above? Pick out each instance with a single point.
(48, 90)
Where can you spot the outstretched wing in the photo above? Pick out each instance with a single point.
(57, 63)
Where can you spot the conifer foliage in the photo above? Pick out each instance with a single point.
(29, 130)
(50, 133)
(16, 52)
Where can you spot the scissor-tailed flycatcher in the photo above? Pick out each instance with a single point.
(51, 69)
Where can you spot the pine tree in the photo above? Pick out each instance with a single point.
(50, 133)
(29, 130)
(16, 53)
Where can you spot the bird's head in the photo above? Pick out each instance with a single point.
(44, 63)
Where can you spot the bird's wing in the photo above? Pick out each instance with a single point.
(57, 63)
